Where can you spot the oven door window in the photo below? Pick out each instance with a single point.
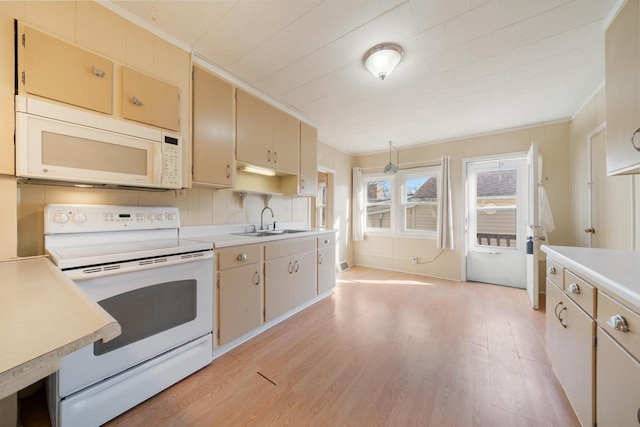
(148, 311)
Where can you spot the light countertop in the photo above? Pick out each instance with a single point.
(616, 272)
(43, 317)
(222, 238)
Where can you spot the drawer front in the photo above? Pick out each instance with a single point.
(289, 247)
(555, 273)
(326, 240)
(607, 309)
(617, 385)
(581, 292)
(238, 256)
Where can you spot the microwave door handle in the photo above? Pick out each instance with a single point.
(157, 167)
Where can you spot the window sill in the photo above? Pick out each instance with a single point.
(423, 236)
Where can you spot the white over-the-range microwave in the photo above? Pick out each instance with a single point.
(58, 143)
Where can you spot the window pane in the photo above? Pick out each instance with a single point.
(379, 203)
(422, 217)
(421, 197)
(496, 207)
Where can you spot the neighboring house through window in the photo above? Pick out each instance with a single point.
(405, 203)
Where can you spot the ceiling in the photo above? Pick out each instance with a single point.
(470, 66)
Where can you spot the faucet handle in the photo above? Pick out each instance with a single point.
(253, 228)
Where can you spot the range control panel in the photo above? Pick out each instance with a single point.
(60, 219)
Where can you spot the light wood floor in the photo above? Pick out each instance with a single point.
(386, 349)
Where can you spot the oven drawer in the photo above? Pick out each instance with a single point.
(238, 256)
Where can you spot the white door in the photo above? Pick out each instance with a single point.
(496, 215)
(533, 226)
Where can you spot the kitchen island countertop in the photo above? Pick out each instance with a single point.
(617, 272)
(43, 317)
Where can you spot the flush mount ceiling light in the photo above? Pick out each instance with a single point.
(390, 169)
(258, 170)
(382, 59)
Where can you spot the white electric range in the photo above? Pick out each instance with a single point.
(130, 261)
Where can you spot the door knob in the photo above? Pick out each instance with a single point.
(590, 230)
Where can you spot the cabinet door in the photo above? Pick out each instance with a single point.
(285, 142)
(305, 277)
(308, 160)
(617, 385)
(61, 71)
(556, 300)
(240, 301)
(326, 269)
(570, 334)
(622, 65)
(148, 100)
(278, 292)
(213, 130)
(254, 128)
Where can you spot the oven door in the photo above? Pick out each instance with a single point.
(158, 308)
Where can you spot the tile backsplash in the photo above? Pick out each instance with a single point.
(198, 206)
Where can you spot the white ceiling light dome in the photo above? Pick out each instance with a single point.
(382, 59)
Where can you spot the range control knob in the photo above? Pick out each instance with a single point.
(150, 217)
(79, 218)
(171, 217)
(60, 218)
(161, 217)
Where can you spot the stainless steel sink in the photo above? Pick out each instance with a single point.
(264, 233)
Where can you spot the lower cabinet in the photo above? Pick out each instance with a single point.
(240, 301)
(290, 275)
(570, 337)
(618, 385)
(326, 263)
(240, 291)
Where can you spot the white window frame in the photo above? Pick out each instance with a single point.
(397, 207)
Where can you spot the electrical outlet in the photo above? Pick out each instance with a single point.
(414, 260)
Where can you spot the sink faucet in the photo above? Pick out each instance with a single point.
(262, 217)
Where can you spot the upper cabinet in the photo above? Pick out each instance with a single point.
(308, 160)
(622, 53)
(213, 130)
(305, 183)
(149, 100)
(58, 70)
(266, 136)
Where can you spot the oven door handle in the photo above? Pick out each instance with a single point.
(87, 273)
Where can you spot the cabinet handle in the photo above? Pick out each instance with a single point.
(618, 323)
(633, 142)
(319, 258)
(326, 240)
(555, 310)
(302, 183)
(551, 270)
(574, 288)
(97, 72)
(275, 157)
(590, 230)
(136, 102)
(256, 278)
(243, 257)
(268, 155)
(560, 317)
(228, 171)
(290, 267)
(297, 266)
